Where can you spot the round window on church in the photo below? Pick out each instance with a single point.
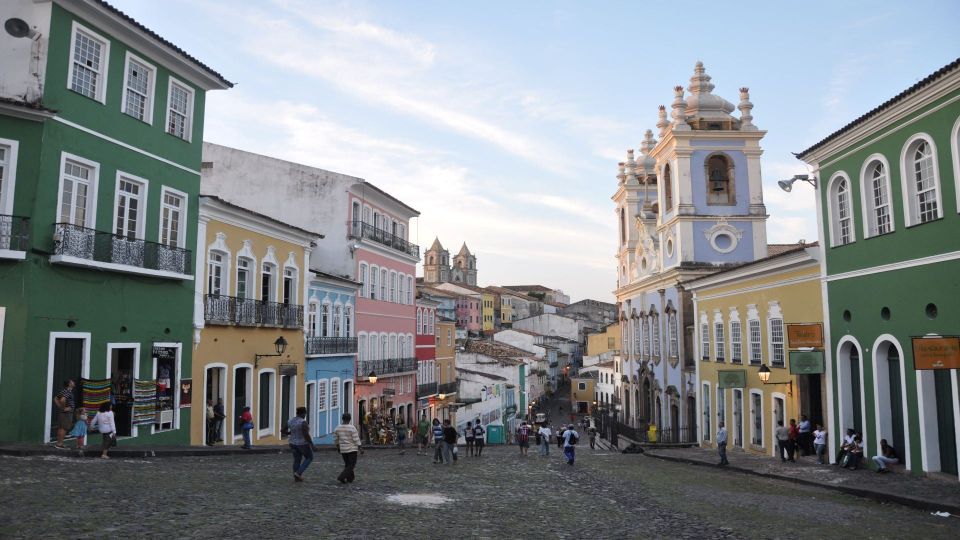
(723, 242)
(669, 247)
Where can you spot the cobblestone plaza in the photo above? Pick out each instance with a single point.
(501, 495)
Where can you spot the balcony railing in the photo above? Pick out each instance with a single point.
(387, 366)
(104, 247)
(426, 389)
(447, 388)
(359, 229)
(219, 309)
(14, 233)
(331, 345)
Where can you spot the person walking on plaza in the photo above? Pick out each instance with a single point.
(469, 437)
(246, 424)
(820, 443)
(545, 433)
(65, 405)
(478, 435)
(806, 436)
(523, 437)
(347, 441)
(570, 439)
(437, 441)
(450, 437)
(301, 443)
(423, 436)
(401, 430)
(783, 441)
(722, 444)
(887, 456)
(593, 438)
(104, 422)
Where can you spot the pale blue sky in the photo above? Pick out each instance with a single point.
(503, 122)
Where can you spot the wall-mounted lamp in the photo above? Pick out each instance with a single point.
(280, 344)
(787, 185)
(764, 374)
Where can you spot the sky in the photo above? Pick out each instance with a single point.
(503, 122)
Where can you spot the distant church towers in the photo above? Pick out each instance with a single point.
(437, 267)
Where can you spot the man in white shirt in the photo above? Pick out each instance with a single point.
(545, 433)
(722, 444)
(570, 438)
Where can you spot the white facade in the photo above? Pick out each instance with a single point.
(550, 324)
(25, 58)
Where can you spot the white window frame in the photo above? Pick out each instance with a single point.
(313, 318)
(9, 178)
(348, 320)
(188, 125)
(101, 89)
(177, 377)
(754, 346)
(364, 278)
(384, 278)
(774, 314)
(92, 192)
(142, 198)
(374, 282)
(182, 230)
(326, 313)
(151, 87)
(294, 284)
(334, 392)
(251, 281)
(409, 290)
(833, 209)
(272, 293)
(867, 202)
(753, 424)
(401, 296)
(719, 338)
(735, 318)
(323, 395)
(336, 320)
(393, 286)
(704, 337)
(224, 266)
(908, 184)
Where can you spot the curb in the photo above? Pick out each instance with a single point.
(920, 504)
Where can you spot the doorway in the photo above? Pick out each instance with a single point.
(945, 422)
(122, 372)
(242, 397)
(889, 398)
(69, 361)
(286, 405)
(811, 397)
(674, 419)
(738, 418)
(215, 391)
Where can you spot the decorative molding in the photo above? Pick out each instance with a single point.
(720, 228)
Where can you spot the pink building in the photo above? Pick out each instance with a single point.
(386, 311)
(469, 308)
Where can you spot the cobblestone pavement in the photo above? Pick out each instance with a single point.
(501, 495)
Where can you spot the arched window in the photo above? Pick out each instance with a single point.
(363, 280)
(401, 297)
(667, 189)
(921, 180)
(348, 321)
(841, 216)
(383, 283)
(325, 320)
(337, 320)
(313, 314)
(719, 174)
(374, 276)
(875, 195)
(623, 226)
(393, 286)
(419, 320)
(216, 274)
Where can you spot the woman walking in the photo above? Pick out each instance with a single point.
(469, 437)
(107, 427)
(246, 424)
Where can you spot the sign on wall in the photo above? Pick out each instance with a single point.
(186, 393)
(734, 378)
(936, 353)
(806, 362)
(805, 335)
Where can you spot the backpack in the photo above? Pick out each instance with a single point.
(574, 439)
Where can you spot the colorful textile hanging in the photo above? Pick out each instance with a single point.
(95, 393)
(144, 402)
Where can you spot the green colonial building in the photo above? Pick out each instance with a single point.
(888, 195)
(101, 126)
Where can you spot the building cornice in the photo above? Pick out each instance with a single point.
(792, 261)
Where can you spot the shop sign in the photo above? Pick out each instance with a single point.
(186, 393)
(510, 411)
(733, 378)
(806, 362)
(389, 392)
(805, 335)
(936, 353)
(288, 369)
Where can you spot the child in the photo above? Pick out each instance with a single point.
(80, 428)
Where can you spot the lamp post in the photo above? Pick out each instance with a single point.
(787, 185)
(764, 375)
(280, 345)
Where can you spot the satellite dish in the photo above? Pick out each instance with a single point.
(18, 28)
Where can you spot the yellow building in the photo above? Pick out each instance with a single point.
(446, 369)
(606, 341)
(252, 276)
(583, 391)
(489, 307)
(760, 321)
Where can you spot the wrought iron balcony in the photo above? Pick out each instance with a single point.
(14, 233)
(330, 345)
(82, 246)
(426, 389)
(219, 309)
(359, 229)
(448, 388)
(387, 366)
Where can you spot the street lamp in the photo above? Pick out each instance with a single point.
(787, 185)
(280, 345)
(372, 377)
(764, 375)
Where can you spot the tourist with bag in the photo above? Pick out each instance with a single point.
(570, 440)
(103, 421)
(478, 433)
(469, 437)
